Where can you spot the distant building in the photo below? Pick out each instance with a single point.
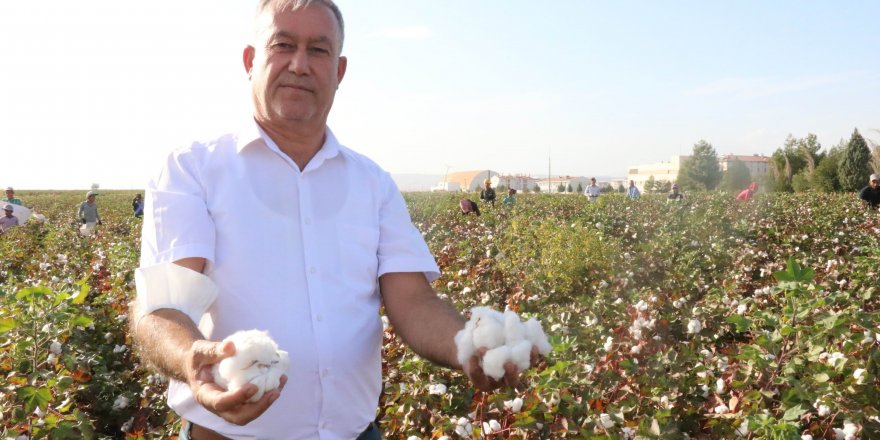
(551, 185)
(667, 171)
(758, 165)
(518, 182)
(469, 180)
(446, 186)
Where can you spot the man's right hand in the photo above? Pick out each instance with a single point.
(232, 406)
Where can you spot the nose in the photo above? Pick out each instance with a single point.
(299, 62)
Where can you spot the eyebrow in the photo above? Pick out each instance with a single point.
(289, 36)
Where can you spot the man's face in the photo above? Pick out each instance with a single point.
(8, 213)
(90, 199)
(294, 65)
(875, 184)
(9, 193)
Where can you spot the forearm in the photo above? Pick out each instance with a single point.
(425, 322)
(164, 338)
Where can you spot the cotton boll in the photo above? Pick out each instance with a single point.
(494, 360)
(514, 330)
(514, 405)
(488, 332)
(536, 335)
(521, 355)
(257, 360)
(464, 341)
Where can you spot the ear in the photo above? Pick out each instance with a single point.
(340, 70)
(248, 59)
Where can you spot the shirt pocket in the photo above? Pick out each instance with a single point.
(359, 256)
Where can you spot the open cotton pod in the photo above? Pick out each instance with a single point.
(257, 360)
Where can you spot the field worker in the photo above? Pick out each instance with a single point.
(468, 206)
(488, 193)
(675, 195)
(88, 211)
(8, 220)
(325, 239)
(510, 199)
(870, 195)
(593, 191)
(746, 194)
(633, 192)
(10, 197)
(137, 205)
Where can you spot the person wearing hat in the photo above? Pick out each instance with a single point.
(870, 195)
(488, 193)
(8, 220)
(88, 211)
(675, 195)
(10, 197)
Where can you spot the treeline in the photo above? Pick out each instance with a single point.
(799, 165)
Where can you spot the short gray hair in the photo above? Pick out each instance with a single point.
(292, 5)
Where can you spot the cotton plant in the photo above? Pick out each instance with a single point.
(257, 360)
(504, 336)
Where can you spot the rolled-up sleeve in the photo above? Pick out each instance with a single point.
(401, 246)
(177, 223)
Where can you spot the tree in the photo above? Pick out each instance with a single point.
(620, 188)
(662, 186)
(560, 188)
(736, 177)
(700, 171)
(649, 184)
(854, 167)
(794, 156)
(537, 188)
(570, 189)
(580, 188)
(875, 154)
(824, 177)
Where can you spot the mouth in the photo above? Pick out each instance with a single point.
(297, 87)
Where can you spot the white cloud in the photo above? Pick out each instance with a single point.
(406, 32)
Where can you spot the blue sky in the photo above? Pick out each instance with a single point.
(100, 91)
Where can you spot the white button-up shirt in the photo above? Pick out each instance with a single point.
(297, 253)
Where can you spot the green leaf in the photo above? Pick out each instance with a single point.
(81, 321)
(34, 398)
(821, 377)
(794, 273)
(30, 293)
(793, 413)
(742, 324)
(7, 324)
(80, 296)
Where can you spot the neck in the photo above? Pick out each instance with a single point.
(299, 142)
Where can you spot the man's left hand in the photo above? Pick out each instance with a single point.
(511, 378)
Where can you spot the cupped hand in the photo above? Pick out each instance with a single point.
(482, 381)
(232, 406)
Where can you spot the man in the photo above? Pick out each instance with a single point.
(870, 195)
(10, 197)
(675, 195)
(593, 191)
(8, 220)
(633, 192)
(488, 193)
(326, 239)
(88, 211)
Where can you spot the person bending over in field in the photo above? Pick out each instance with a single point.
(468, 206)
(747, 193)
(675, 195)
(870, 195)
(311, 262)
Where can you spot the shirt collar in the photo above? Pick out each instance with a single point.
(252, 134)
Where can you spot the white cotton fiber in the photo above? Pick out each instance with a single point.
(505, 336)
(257, 360)
(488, 329)
(494, 360)
(521, 354)
(464, 341)
(514, 330)
(536, 335)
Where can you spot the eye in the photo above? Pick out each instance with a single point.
(282, 46)
(319, 50)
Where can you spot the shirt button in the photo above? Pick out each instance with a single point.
(312, 270)
(325, 425)
(325, 373)
(308, 221)
(319, 317)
